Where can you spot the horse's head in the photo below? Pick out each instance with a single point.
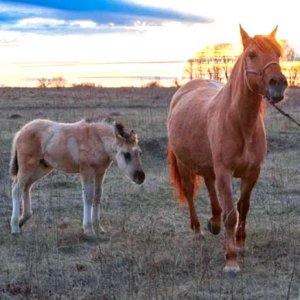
(261, 63)
(128, 154)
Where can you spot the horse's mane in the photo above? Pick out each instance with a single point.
(266, 44)
(129, 135)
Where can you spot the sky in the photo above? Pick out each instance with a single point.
(75, 39)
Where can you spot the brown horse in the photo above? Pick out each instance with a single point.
(217, 132)
(87, 147)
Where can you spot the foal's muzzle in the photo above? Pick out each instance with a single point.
(139, 177)
(276, 87)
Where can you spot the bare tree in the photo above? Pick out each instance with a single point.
(42, 83)
(58, 82)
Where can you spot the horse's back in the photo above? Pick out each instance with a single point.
(187, 123)
(196, 89)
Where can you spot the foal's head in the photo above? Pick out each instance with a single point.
(128, 154)
(261, 62)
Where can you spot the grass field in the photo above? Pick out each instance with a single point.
(148, 251)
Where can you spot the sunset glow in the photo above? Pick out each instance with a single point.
(74, 41)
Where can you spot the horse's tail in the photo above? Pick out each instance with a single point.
(14, 165)
(175, 177)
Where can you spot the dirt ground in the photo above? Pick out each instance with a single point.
(148, 251)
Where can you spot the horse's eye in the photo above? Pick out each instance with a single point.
(127, 156)
(252, 54)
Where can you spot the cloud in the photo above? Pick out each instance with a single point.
(85, 15)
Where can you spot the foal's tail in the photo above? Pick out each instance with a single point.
(175, 178)
(14, 165)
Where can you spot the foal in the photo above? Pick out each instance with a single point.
(87, 147)
(217, 132)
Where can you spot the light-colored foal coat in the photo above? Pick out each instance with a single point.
(85, 147)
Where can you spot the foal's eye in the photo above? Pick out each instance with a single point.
(252, 54)
(127, 156)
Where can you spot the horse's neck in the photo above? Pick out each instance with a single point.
(244, 104)
(106, 135)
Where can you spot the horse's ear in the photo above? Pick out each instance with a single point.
(273, 33)
(134, 136)
(119, 129)
(245, 37)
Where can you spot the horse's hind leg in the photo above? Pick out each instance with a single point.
(16, 198)
(188, 185)
(214, 224)
(243, 205)
(36, 174)
(96, 204)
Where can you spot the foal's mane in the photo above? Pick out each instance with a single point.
(128, 135)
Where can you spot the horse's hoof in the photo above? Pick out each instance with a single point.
(88, 231)
(232, 270)
(199, 236)
(99, 230)
(214, 228)
(15, 230)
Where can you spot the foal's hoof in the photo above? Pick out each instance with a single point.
(214, 228)
(232, 270)
(15, 230)
(88, 231)
(98, 229)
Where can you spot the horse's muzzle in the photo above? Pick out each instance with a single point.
(276, 87)
(139, 177)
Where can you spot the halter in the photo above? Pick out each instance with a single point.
(260, 73)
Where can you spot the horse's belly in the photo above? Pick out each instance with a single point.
(63, 163)
(193, 153)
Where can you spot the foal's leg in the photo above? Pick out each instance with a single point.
(230, 217)
(96, 204)
(243, 205)
(16, 198)
(38, 173)
(87, 182)
(26, 205)
(188, 191)
(214, 224)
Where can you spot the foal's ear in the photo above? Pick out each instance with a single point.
(119, 129)
(245, 37)
(273, 33)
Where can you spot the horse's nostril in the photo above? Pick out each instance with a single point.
(273, 82)
(139, 177)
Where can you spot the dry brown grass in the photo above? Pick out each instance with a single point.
(148, 251)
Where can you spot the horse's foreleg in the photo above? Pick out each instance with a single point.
(96, 204)
(15, 216)
(230, 217)
(87, 182)
(243, 205)
(214, 224)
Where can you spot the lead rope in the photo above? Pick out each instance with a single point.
(283, 112)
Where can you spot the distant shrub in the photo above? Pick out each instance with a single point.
(42, 83)
(85, 85)
(152, 84)
(57, 82)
